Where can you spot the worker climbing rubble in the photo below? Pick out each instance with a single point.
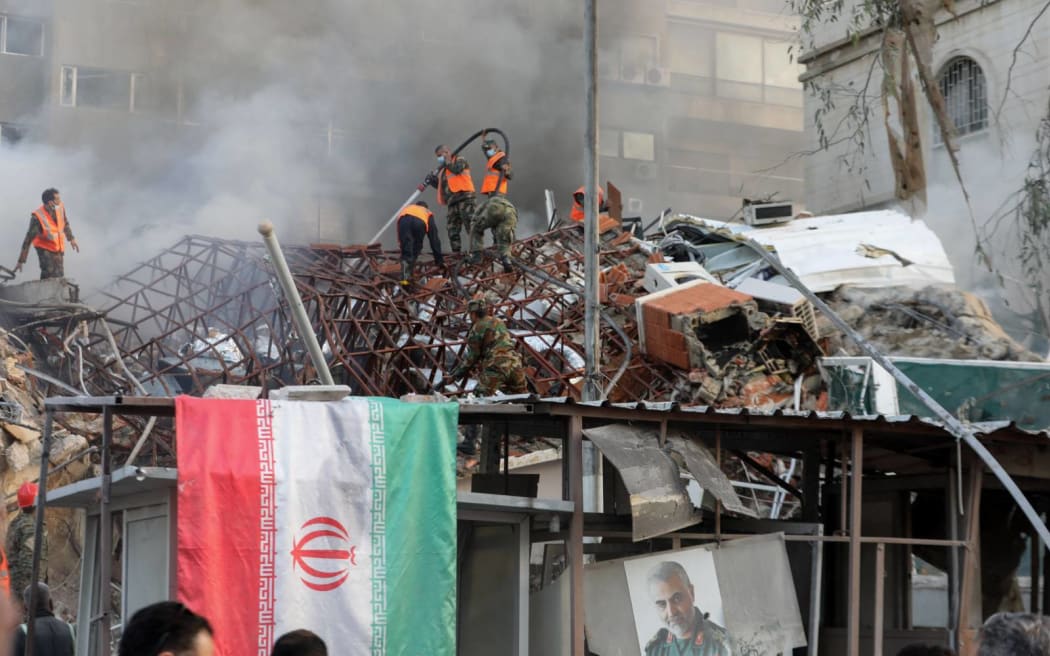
(496, 212)
(21, 538)
(48, 232)
(455, 190)
(415, 222)
(490, 349)
(577, 204)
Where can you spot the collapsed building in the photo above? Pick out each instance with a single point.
(691, 319)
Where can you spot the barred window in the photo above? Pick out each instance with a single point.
(963, 87)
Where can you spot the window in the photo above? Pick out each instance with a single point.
(639, 145)
(691, 51)
(608, 142)
(101, 88)
(962, 85)
(739, 57)
(21, 36)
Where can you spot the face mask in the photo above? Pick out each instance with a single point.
(441, 160)
(490, 152)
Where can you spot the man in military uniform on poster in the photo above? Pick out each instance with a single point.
(687, 631)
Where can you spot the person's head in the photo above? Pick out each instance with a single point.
(925, 650)
(51, 198)
(672, 594)
(443, 154)
(1015, 634)
(43, 596)
(299, 643)
(27, 496)
(490, 147)
(423, 204)
(167, 628)
(477, 307)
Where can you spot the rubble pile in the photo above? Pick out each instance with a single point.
(21, 420)
(937, 321)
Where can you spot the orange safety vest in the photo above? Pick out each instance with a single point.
(5, 577)
(53, 231)
(577, 206)
(493, 175)
(457, 183)
(421, 213)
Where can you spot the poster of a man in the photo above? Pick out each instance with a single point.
(672, 616)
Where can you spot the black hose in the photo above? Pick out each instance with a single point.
(506, 141)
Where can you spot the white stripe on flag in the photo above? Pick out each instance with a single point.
(326, 546)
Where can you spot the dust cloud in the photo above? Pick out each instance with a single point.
(320, 116)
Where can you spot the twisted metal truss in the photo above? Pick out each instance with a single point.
(209, 311)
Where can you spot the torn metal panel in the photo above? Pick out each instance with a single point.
(704, 467)
(659, 501)
(869, 249)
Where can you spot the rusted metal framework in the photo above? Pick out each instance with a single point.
(209, 311)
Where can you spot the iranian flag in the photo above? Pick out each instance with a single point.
(337, 517)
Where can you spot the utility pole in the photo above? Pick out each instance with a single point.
(592, 349)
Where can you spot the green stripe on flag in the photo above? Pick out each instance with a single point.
(419, 453)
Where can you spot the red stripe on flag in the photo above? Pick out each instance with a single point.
(226, 524)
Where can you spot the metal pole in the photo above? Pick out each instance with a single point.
(38, 532)
(591, 389)
(856, 495)
(295, 303)
(880, 586)
(574, 547)
(952, 511)
(105, 536)
(816, 592)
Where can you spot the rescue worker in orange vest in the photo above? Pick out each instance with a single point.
(48, 233)
(496, 213)
(415, 222)
(455, 190)
(577, 204)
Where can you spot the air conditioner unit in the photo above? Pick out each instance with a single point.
(632, 74)
(768, 213)
(645, 171)
(634, 205)
(658, 76)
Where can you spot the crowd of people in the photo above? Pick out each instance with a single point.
(166, 628)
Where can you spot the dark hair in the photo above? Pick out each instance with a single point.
(439, 148)
(164, 626)
(422, 203)
(49, 195)
(925, 650)
(1015, 634)
(299, 643)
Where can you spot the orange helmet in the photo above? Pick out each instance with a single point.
(27, 495)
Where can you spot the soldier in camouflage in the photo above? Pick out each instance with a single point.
(687, 632)
(490, 348)
(21, 537)
(456, 191)
(496, 213)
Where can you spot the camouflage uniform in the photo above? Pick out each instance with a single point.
(708, 639)
(498, 214)
(20, 540)
(460, 205)
(490, 347)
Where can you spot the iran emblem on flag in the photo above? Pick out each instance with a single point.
(337, 517)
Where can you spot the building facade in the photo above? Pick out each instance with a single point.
(700, 100)
(992, 63)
